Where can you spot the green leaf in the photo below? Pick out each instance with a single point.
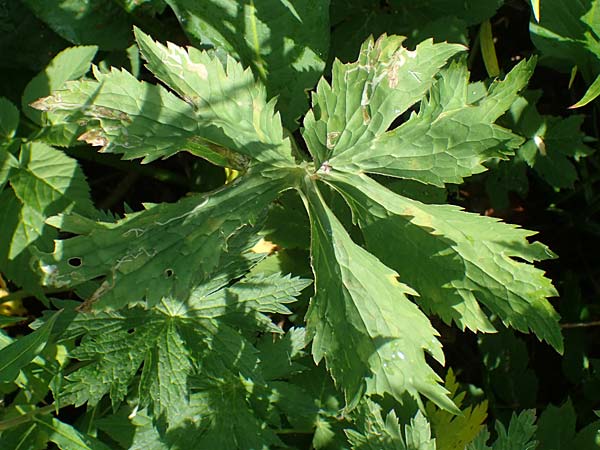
(590, 95)
(165, 250)
(519, 436)
(372, 337)
(21, 352)
(551, 143)
(5, 320)
(46, 182)
(85, 22)
(67, 437)
(556, 427)
(9, 119)
(25, 43)
(223, 117)
(285, 43)
(230, 105)
(449, 139)
(365, 97)
(455, 432)
(125, 115)
(505, 357)
(149, 7)
(488, 50)
(70, 64)
(173, 341)
(565, 38)
(379, 434)
(467, 258)
(7, 163)
(520, 433)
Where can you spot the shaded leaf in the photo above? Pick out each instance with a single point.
(9, 120)
(21, 352)
(70, 64)
(377, 433)
(284, 43)
(85, 22)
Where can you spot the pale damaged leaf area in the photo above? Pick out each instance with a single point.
(163, 251)
(449, 139)
(463, 259)
(372, 337)
(365, 97)
(222, 114)
(44, 181)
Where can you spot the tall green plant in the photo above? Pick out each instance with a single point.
(171, 312)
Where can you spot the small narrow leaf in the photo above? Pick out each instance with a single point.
(7, 163)
(21, 352)
(67, 437)
(488, 49)
(590, 95)
(9, 120)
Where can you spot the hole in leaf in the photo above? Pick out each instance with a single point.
(169, 273)
(75, 262)
(130, 331)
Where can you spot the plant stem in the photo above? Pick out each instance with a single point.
(18, 295)
(594, 323)
(16, 421)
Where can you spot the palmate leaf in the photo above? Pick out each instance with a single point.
(223, 114)
(449, 139)
(164, 251)
(455, 432)
(379, 434)
(173, 341)
(371, 335)
(520, 434)
(462, 259)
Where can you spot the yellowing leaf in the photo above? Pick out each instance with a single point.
(455, 432)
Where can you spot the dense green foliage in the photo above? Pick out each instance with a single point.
(279, 224)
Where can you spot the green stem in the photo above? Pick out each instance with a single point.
(19, 420)
(294, 431)
(18, 295)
